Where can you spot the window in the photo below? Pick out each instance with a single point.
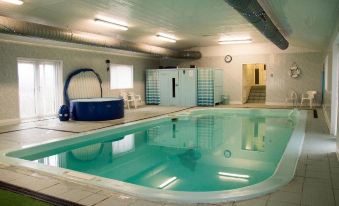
(40, 87)
(121, 76)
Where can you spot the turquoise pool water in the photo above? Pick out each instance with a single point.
(208, 150)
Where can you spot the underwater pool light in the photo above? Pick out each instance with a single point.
(167, 182)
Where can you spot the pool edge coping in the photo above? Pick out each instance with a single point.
(282, 175)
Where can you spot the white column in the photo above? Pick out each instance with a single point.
(334, 103)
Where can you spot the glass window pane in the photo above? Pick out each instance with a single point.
(48, 88)
(121, 76)
(26, 75)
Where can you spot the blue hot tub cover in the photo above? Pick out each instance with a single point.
(97, 109)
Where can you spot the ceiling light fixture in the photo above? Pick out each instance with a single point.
(166, 37)
(16, 2)
(167, 182)
(236, 41)
(112, 24)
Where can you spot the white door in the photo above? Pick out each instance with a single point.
(187, 88)
(168, 80)
(40, 88)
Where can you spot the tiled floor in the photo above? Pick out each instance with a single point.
(316, 182)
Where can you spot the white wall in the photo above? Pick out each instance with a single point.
(330, 104)
(335, 88)
(277, 61)
(72, 58)
(327, 103)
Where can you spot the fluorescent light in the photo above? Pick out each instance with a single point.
(16, 2)
(235, 40)
(112, 24)
(167, 182)
(233, 175)
(166, 37)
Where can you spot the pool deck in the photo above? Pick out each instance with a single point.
(316, 181)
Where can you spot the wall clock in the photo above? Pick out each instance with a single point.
(227, 153)
(228, 58)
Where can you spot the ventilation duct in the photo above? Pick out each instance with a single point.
(255, 14)
(27, 29)
(189, 55)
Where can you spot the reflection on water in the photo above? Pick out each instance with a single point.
(184, 155)
(87, 153)
(253, 134)
(53, 160)
(123, 146)
(205, 133)
(90, 153)
(189, 158)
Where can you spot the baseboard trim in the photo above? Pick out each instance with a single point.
(5, 122)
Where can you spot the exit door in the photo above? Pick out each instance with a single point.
(168, 87)
(257, 76)
(40, 88)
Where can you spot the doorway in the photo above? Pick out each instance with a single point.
(40, 88)
(254, 83)
(168, 80)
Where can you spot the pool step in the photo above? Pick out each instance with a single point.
(257, 94)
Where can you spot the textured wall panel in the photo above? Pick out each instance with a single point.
(205, 88)
(152, 87)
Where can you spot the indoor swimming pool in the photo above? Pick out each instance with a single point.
(212, 154)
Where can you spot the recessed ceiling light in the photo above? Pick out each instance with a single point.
(236, 40)
(111, 24)
(166, 37)
(16, 2)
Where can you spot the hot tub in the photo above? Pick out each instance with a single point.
(97, 109)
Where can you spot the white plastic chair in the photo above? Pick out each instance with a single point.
(126, 98)
(135, 98)
(292, 96)
(309, 95)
